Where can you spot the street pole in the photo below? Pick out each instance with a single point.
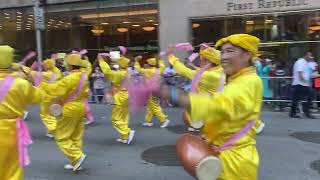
(38, 33)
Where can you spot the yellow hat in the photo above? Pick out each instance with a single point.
(49, 63)
(245, 41)
(74, 60)
(6, 56)
(123, 62)
(152, 61)
(85, 63)
(211, 54)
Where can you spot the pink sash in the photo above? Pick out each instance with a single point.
(5, 86)
(196, 78)
(53, 77)
(78, 90)
(24, 140)
(238, 135)
(23, 133)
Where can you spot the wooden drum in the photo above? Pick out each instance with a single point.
(197, 158)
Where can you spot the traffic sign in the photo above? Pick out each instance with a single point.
(39, 18)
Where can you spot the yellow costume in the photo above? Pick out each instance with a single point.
(153, 107)
(21, 94)
(210, 79)
(70, 125)
(51, 75)
(239, 103)
(120, 111)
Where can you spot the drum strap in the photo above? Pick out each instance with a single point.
(5, 86)
(238, 135)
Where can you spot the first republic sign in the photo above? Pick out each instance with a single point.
(264, 4)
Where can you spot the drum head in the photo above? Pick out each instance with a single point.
(209, 168)
(197, 124)
(55, 110)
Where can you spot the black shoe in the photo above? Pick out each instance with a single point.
(295, 116)
(309, 116)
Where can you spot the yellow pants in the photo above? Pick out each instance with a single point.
(154, 109)
(49, 121)
(120, 114)
(68, 135)
(9, 158)
(240, 164)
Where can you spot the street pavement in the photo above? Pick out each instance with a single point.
(282, 157)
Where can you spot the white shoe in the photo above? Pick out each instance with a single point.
(25, 115)
(79, 163)
(88, 122)
(165, 124)
(49, 135)
(260, 128)
(191, 129)
(122, 141)
(131, 135)
(70, 167)
(146, 124)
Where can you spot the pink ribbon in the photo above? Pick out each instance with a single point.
(123, 50)
(193, 56)
(140, 91)
(82, 52)
(104, 54)
(238, 135)
(184, 46)
(27, 57)
(205, 45)
(24, 140)
(38, 78)
(35, 65)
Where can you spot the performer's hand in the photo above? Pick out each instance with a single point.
(170, 50)
(138, 58)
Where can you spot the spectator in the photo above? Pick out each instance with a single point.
(98, 84)
(301, 85)
(264, 69)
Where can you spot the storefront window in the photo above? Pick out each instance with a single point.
(284, 37)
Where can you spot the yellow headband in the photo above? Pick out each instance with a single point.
(49, 63)
(6, 56)
(211, 54)
(152, 61)
(123, 62)
(245, 41)
(74, 60)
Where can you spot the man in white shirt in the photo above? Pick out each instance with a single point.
(301, 85)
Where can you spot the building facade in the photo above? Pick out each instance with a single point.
(286, 27)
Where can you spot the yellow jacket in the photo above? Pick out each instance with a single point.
(64, 88)
(236, 105)
(150, 72)
(116, 77)
(21, 94)
(209, 81)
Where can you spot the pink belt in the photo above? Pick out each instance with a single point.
(24, 140)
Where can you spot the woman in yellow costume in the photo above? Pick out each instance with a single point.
(120, 111)
(50, 74)
(72, 91)
(236, 110)
(153, 107)
(210, 77)
(15, 95)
